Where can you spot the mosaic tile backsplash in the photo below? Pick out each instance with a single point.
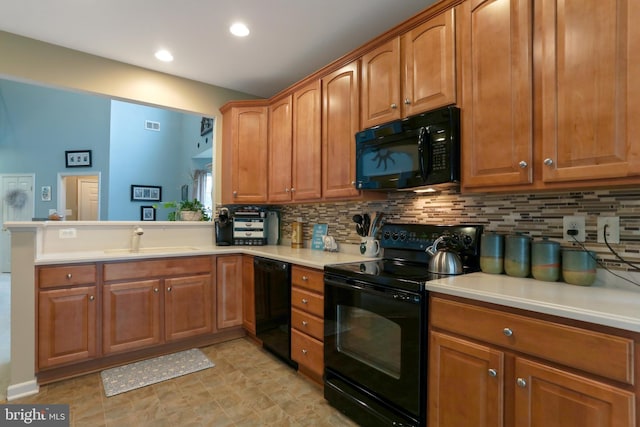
(537, 214)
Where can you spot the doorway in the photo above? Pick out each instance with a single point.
(17, 200)
(79, 196)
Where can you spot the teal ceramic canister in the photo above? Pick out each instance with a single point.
(545, 260)
(578, 267)
(492, 253)
(517, 255)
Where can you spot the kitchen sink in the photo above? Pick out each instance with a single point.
(153, 250)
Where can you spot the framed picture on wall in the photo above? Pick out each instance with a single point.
(147, 213)
(145, 193)
(206, 125)
(78, 159)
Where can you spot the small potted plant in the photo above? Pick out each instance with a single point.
(187, 210)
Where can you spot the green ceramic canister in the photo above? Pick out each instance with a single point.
(578, 267)
(492, 253)
(545, 260)
(517, 255)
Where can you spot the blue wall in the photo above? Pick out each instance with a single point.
(38, 124)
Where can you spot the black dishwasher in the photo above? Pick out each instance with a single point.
(273, 306)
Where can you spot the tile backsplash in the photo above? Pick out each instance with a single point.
(538, 215)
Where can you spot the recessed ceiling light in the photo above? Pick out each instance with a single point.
(164, 55)
(239, 29)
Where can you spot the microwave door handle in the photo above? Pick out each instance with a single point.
(423, 140)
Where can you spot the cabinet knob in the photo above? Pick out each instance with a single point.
(407, 101)
(305, 301)
(304, 351)
(155, 289)
(548, 162)
(286, 190)
(169, 289)
(235, 194)
(394, 106)
(521, 382)
(523, 164)
(493, 373)
(507, 332)
(353, 183)
(293, 190)
(69, 275)
(305, 323)
(91, 297)
(305, 278)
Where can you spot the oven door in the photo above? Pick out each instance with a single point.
(375, 339)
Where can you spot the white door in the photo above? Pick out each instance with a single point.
(88, 198)
(17, 200)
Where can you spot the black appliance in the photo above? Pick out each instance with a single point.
(419, 151)
(272, 281)
(375, 343)
(224, 228)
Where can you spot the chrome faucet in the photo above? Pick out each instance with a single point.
(135, 239)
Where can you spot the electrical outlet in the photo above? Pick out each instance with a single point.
(67, 233)
(573, 223)
(613, 229)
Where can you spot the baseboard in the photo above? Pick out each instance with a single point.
(17, 391)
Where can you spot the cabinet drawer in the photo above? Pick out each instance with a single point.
(66, 275)
(156, 268)
(307, 351)
(307, 323)
(308, 278)
(595, 352)
(307, 301)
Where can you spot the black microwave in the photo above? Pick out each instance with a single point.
(418, 151)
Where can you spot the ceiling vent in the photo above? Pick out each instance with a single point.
(149, 125)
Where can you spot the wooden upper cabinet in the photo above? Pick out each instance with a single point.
(245, 154)
(340, 122)
(590, 88)
(380, 78)
(429, 65)
(307, 184)
(280, 150)
(496, 64)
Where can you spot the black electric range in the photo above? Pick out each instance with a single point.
(405, 262)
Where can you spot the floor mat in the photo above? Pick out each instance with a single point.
(146, 372)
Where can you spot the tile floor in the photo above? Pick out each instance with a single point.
(247, 387)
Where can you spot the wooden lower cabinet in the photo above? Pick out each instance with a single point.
(67, 326)
(486, 377)
(229, 291)
(187, 307)
(248, 295)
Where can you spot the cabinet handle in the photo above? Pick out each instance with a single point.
(286, 190)
(305, 278)
(155, 289)
(493, 373)
(69, 276)
(235, 194)
(305, 301)
(507, 332)
(353, 183)
(523, 164)
(394, 106)
(407, 101)
(91, 297)
(305, 323)
(169, 289)
(304, 351)
(521, 382)
(548, 162)
(293, 190)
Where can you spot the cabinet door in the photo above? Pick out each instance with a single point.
(229, 291)
(548, 397)
(381, 84)
(340, 122)
(187, 306)
(465, 383)
(590, 66)
(280, 150)
(496, 67)
(131, 316)
(249, 159)
(307, 151)
(248, 295)
(66, 326)
(429, 65)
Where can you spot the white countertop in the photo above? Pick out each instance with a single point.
(603, 305)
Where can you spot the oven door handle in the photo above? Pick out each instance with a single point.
(395, 294)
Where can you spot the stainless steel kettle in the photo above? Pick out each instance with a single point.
(443, 261)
